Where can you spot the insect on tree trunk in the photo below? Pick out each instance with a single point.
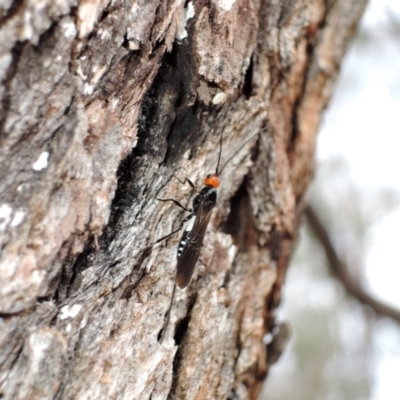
(106, 106)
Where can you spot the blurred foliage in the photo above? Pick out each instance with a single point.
(328, 356)
(338, 350)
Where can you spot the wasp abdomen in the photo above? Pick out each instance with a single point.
(185, 236)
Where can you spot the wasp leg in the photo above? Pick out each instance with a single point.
(173, 232)
(168, 313)
(176, 202)
(189, 182)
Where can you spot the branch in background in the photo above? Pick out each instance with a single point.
(342, 271)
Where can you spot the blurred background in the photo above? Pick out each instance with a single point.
(340, 349)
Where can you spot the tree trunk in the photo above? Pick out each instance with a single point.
(105, 106)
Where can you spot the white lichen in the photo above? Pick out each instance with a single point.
(189, 13)
(80, 73)
(70, 311)
(17, 219)
(5, 216)
(69, 29)
(219, 98)
(226, 5)
(41, 162)
(87, 89)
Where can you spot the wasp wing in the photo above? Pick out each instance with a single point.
(194, 241)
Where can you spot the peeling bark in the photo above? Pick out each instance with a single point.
(103, 106)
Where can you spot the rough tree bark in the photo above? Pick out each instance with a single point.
(103, 105)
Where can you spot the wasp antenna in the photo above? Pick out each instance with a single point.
(219, 155)
(235, 153)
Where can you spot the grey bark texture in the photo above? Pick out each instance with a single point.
(104, 104)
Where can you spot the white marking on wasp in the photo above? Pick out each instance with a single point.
(188, 228)
(182, 244)
(190, 224)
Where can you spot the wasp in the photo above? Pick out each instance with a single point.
(196, 222)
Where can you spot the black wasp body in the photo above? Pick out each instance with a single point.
(197, 221)
(193, 235)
